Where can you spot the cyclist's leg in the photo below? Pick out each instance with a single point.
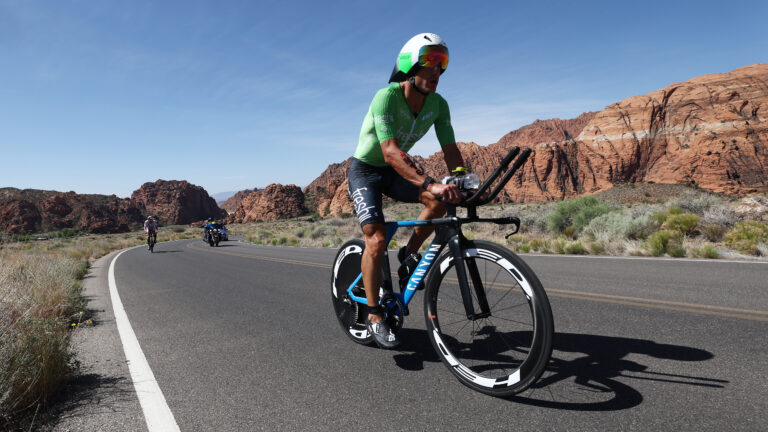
(375, 244)
(365, 183)
(403, 190)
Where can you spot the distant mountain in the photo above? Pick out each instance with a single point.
(220, 197)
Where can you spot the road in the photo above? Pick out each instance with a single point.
(243, 337)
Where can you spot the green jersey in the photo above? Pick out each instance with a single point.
(389, 116)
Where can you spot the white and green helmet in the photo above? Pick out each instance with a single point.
(408, 60)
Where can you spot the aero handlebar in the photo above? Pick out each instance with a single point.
(474, 200)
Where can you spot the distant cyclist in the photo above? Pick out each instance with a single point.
(150, 227)
(399, 115)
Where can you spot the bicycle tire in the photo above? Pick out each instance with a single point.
(504, 353)
(346, 268)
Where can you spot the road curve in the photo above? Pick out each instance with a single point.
(242, 337)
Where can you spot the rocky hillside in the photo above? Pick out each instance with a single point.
(233, 202)
(709, 131)
(176, 202)
(31, 210)
(271, 203)
(173, 202)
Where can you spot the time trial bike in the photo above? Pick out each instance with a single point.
(487, 314)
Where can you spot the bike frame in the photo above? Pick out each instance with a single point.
(447, 231)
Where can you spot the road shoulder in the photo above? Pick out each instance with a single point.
(101, 396)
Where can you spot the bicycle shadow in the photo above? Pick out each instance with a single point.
(588, 365)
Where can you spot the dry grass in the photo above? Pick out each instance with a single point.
(624, 232)
(41, 305)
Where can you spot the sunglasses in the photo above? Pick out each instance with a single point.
(434, 55)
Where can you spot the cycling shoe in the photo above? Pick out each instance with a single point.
(382, 334)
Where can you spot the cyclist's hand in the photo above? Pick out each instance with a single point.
(448, 192)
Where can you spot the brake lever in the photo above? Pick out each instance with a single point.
(516, 223)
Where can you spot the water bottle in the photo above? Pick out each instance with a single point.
(465, 181)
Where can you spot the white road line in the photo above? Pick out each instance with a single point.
(156, 412)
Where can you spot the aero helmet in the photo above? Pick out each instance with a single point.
(418, 51)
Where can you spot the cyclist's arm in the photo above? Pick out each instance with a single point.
(407, 168)
(452, 156)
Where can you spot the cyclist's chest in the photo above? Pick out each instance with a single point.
(410, 128)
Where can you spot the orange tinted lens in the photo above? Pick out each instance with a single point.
(432, 56)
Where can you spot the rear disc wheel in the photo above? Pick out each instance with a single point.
(351, 314)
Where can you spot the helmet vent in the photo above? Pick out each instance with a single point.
(427, 38)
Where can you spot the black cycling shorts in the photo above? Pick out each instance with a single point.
(368, 182)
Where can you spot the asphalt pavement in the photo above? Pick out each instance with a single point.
(243, 337)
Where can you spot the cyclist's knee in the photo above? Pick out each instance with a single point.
(435, 207)
(375, 239)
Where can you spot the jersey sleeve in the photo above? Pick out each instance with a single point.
(383, 108)
(443, 128)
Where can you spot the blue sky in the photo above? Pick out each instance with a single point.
(102, 96)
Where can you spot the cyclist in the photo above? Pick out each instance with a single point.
(399, 115)
(150, 227)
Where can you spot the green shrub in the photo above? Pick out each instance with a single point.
(597, 248)
(525, 248)
(575, 248)
(706, 251)
(536, 244)
(745, 236)
(613, 226)
(658, 242)
(676, 250)
(68, 232)
(558, 245)
(686, 223)
(712, 232)
(660, 217)
(576, 213)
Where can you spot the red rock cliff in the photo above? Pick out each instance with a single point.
(32, 210)
(271, 203)
(176, 202)
(710, 131)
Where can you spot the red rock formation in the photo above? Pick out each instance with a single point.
(271, 203)
(18, 215)
(710, 131)
(321, 192)
(31, 210)
(233, 202)
(176, 202)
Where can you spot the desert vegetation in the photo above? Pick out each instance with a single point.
(41, 306)
(632, 220)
